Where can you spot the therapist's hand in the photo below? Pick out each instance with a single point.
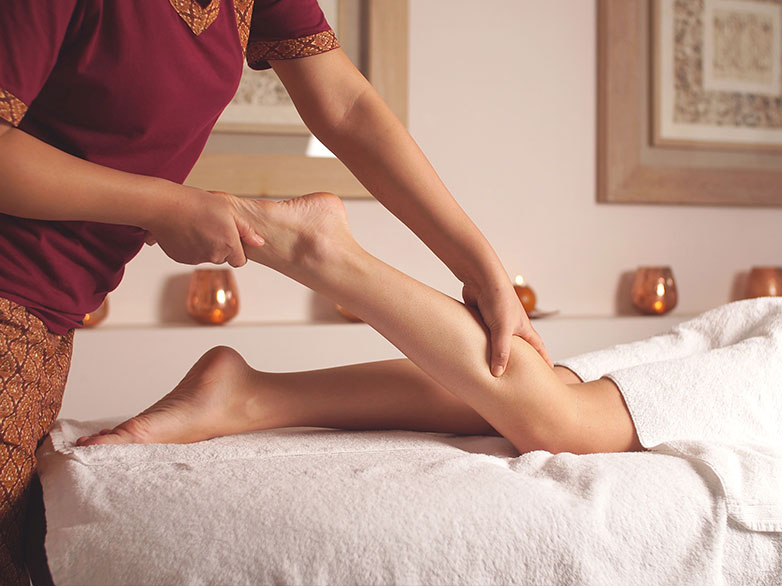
(505, 317)
(194, 226)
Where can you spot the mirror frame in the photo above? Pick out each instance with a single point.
(281, 176)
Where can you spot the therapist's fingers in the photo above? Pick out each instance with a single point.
(500, 335)
(237, 258)
(529, 335)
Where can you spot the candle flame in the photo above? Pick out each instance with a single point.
(520, 281)
(660, 289)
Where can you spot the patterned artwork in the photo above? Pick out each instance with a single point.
(719, 73)
(261, 103)
(743, 47)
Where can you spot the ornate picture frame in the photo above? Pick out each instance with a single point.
(631, 167)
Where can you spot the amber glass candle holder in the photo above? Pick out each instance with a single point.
(525, 293)
(93, 318)
(654, 290)
(764, 282)
(212, 297)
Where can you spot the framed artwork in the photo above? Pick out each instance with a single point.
(690, 102)
(718, 74)
(261, 103)
(243, 157)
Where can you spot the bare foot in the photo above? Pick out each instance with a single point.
(299, 232)
(212, 400)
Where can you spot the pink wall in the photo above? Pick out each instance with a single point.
(502, 99)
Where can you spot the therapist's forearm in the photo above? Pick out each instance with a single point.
(41, 182)
(380, 152)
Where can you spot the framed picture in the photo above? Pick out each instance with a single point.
(255, 156)
(261, 103)
(690, 102)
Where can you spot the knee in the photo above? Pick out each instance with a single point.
(545, 408)
(596, 420)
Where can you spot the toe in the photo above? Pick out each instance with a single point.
(115, 436)
(122, 434)
(111, 438)
(90, 440)
(137, 430)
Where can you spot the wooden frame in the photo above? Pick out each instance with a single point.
(630, 169)
(290, 175)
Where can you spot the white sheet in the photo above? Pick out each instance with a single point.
(332, 507)
(710, 390)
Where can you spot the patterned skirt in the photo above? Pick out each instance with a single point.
(34, 365)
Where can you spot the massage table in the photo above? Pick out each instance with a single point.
(318, 506)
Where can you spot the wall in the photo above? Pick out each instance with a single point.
(502, 99)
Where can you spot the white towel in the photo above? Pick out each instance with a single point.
(333, 507)
(710, 390)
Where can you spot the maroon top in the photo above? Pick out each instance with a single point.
(131, 85)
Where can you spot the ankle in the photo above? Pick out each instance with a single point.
(328, 237)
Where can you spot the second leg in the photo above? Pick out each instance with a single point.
(221, 395)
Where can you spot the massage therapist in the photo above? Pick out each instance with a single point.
(105, 106)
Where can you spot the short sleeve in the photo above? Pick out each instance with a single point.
(287, 29)
(31, 35)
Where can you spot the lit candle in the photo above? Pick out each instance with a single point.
(212, 297)
(764, 282)
(525, 294)
(654, 290)
(93, 318)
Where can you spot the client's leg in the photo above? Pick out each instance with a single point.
(308, 240)
(222, 395)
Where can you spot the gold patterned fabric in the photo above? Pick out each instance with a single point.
(197, 17)
(244, 13)
(292, 48)
(12, 109)
(34, 365)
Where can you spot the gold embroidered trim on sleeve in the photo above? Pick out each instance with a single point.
(196, 16)
(244, 14)
(292, 48)
(12, 109)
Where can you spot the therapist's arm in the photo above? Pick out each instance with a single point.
(345, 112)
(41, 182)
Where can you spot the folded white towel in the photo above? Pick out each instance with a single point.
(710, 390)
